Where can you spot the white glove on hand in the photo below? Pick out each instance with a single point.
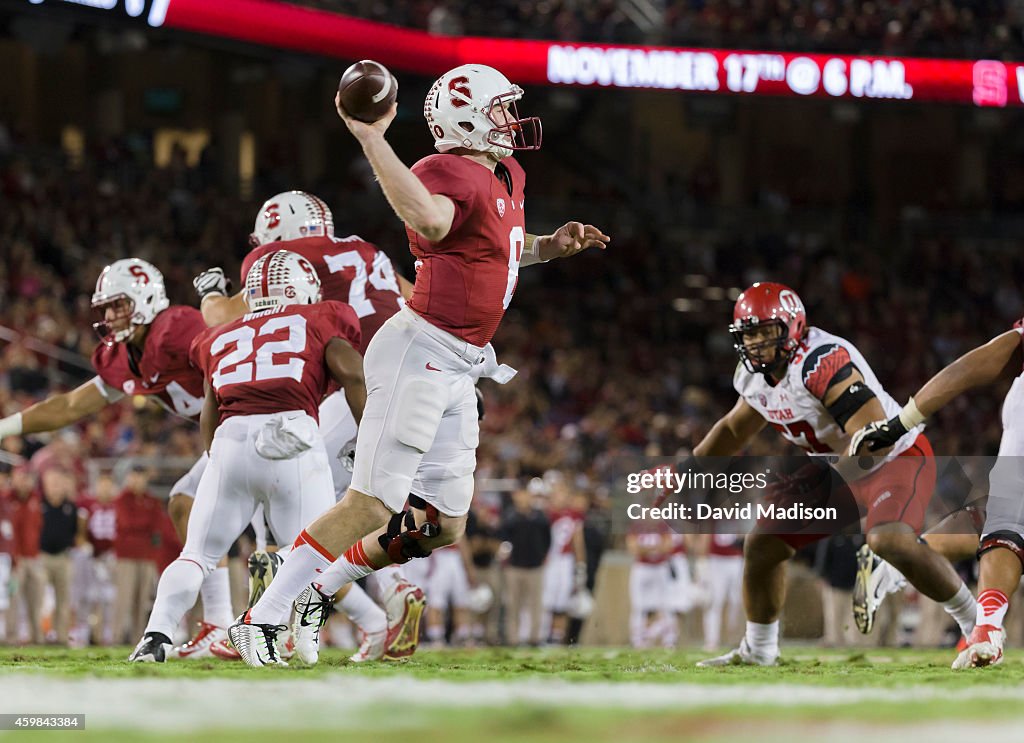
(347, 455)
(211, 282)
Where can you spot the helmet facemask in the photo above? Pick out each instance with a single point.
(770, 353)
(123, 308)
(511, 133)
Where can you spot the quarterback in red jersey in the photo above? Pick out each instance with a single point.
(464, 211)
(266, 374)
(144, 351)
(357, 273)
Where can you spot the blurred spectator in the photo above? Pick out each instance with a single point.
(98, 588)
(140, 519)
(483, 541)
(651, 621)
(27, 580)
(59, 533)
(527, 530)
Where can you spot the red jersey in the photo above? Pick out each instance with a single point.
(163, 369)
(101, 524)
(28, 524)
(564, 523)
(138, 526)
(351, 270)
(287, 346)
(653, 541)
(464, 282)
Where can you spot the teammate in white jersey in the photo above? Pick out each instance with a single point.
(816, 389)
(1002, 543)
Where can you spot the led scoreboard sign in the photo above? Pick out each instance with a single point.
(286, 26)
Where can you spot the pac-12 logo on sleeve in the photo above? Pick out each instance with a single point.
(501, 207)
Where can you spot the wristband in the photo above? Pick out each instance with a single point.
(910, 416)
(11, 425)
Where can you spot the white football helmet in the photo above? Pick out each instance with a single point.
(480, 599)
(466, 108)
(292, 215)
(134, 290)
(280, 279)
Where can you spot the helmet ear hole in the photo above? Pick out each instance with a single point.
(467, 126)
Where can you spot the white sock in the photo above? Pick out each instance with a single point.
(175, 595)
(302, 567)
(763, 639)
(383, 578)
(216, 596)
(963, 608)
(348, 568)
(365, 614)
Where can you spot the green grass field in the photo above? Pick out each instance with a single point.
(522, 695)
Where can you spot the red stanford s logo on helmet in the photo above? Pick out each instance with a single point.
(768, 324)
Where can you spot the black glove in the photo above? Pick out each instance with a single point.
(212, 281)
(878, 435)
(479, 403)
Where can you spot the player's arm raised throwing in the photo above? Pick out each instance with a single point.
(430, 215)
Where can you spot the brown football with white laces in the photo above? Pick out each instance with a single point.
(367, 91)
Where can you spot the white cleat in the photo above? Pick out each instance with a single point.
(201, 644)
(312, 609)
(372, 648)
(404, 605)
(741, 656)
(257, 643)
(984, 648)
(876, 579)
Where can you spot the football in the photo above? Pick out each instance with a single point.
(367, 91)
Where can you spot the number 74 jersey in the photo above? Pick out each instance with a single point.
(273, 361)
(794, 406)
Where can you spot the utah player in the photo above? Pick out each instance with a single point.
(464, 214)
(265, 376)
(144, 351)
(816, 389)
(357, 273)
(1001, 551)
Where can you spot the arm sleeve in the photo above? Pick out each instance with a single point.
(826, 366)
(440, 178)
(110, 394)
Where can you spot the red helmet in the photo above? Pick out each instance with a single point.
(768, 303)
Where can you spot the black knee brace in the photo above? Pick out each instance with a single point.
(1010, 540)
(402, 539)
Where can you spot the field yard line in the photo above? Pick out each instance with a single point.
(184, 704)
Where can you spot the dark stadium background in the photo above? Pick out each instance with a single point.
(897, 222)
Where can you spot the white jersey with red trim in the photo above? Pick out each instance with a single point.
(793, 406)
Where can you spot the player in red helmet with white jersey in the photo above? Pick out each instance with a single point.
(144, 351)
(817, 390)
(464, 213)
(1001, 551)
(265, 375)
(359, 274)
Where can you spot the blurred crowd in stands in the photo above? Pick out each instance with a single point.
(990, 29)
(620, 354)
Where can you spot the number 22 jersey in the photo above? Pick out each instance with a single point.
(273, 361)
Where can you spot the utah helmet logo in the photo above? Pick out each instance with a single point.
(790, 302)
(458, 89)
(501, 207)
